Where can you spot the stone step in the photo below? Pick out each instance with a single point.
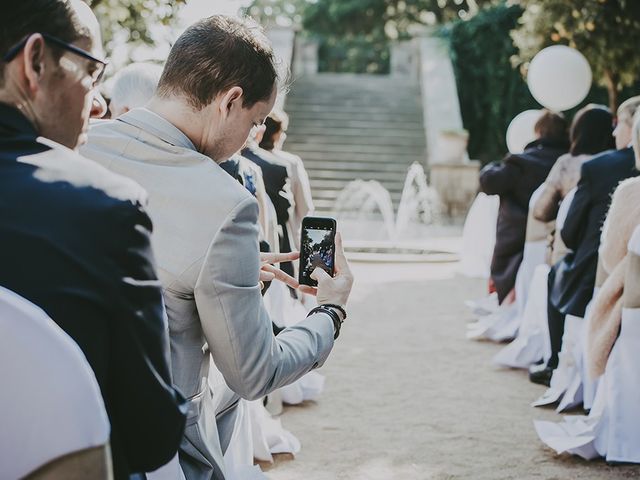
(336, 114)
(357, 166)
(323, 194)
(371, 110)
(400, 158)
(416, 134)
(333, 185)
(381, 167)
(355, 144)
(359, 81)
(315, 125)
(348, 127)
(314, 145)
(348, 175)
(336, 95)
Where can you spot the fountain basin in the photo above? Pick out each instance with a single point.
(394, 252)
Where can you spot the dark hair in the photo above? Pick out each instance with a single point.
(25, 17)
(275, 123)
(552, 126)
(592, 130)
(216, 54)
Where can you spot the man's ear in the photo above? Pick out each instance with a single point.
(33, 58)
(230, 99)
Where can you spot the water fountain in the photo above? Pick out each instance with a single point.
(367, 206)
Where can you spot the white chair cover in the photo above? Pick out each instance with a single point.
(50, 400)
(479, 236)
(589, 385)
(483, 306)
(268, 435)
(505, 322)
(532, 342)
(623, 391)
(239, 455)
(612, 428)
(567, 378)
(578, 434)
(287, 311)
(170, 471)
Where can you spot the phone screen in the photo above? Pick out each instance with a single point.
(317, 250)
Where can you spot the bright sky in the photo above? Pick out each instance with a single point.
(189, 13)
(196, 9)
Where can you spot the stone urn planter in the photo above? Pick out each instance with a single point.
(452, 146)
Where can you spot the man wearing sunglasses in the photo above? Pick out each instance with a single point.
(74, 237)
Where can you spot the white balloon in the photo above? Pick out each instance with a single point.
(521, 130)
(559, 77)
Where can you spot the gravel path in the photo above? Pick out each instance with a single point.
(408, 397)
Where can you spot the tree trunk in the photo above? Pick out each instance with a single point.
(611, 79)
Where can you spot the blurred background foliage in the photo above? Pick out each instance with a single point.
(490, 89)
(492, 42)
(132, 22)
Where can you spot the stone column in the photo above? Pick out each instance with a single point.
(305, 56)
(405, 60)
(452, 174)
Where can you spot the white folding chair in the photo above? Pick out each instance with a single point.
(54, 422)
(479, 236)
(612, 428)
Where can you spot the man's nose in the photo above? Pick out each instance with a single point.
(98, 105)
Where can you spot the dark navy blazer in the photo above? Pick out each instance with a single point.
(74, 240)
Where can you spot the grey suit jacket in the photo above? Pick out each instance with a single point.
(206, 242)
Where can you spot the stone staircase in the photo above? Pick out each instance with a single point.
(348, 127)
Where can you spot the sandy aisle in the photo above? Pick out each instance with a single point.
(407, 397)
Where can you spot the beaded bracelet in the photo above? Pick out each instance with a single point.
(337, 307)
(337, 323)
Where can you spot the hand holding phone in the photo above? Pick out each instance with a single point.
(334, 289)
(317, 248)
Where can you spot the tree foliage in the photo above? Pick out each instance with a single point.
(490, 89)
(607, 32)
(354, 35)
(132, 21)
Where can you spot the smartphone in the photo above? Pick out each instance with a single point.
(317, 247)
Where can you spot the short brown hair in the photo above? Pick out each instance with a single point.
(552, 126)
(26, 17)
(216, 54)
(276, 122)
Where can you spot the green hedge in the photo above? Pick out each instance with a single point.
(353, 54)
(491, 91)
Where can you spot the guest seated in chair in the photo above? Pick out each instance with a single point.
(514, 180)
(74, 237)
(590, 133)
(621, 221)
(572, 280)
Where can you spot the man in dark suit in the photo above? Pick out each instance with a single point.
(514, 180)
(74, 237)
(571, 281)
(276, 182)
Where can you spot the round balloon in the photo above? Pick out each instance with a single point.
(559, 77)
(521, 130)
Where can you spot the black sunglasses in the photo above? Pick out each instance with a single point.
(97, 75)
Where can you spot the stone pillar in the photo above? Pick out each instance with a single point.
(456, 184)
(405, 60)
(305, 57)
(452, 174)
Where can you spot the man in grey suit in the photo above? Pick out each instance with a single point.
(218, 83)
